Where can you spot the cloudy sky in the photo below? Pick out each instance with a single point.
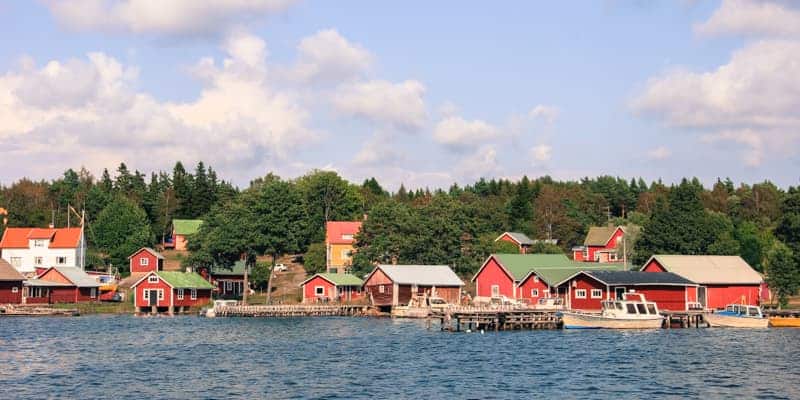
(423, 93)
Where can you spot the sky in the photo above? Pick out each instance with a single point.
(415, 92)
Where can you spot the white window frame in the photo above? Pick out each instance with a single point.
(345, 254)
(228, 286)
(152, 279)
(599, 296)
(193, 294)
(16, 261)
(14, 289)
(320, 290)
(534, 292)
(146, 294)
(38, 260)
(61, 260)
(347, 236)
(179, 294)
(93, 293)
(381, 289)
(160, 294)
(580, 293)
(495, 290)
(38, 243)
(144, 261)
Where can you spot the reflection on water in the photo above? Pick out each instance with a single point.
(188, 357)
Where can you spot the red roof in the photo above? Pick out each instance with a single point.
(60, 238)
(341, 232)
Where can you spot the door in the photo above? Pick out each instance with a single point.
(153, 297)
(701, 296)
(619, 293)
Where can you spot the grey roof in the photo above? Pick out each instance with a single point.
(424, 275)
(78, 277)
(520, 238)
(42, 283)
(151, 251)
(639, 278)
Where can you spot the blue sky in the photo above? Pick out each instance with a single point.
(421, 93)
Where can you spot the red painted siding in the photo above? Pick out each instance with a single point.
(718, 296)
(63, 295)
(654, 266)
(586, 283)
(672, 298)
(146, 285)
(7, 295)
(203, 298)
(577, 255)
(592, 250)
(309, 289)
(136, 262)
(372, 287)
(527, 286)
(492, 274)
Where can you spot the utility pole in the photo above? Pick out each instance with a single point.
(246, 283)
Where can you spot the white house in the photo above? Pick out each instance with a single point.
(30, 248)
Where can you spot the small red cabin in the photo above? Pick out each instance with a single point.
(392, 285)
(171, 292)
(61, 285)
(721, 280)
(587, 289)
(332, 287)
(521, 240)
(602, 244)
(146, 260)
(10, 284)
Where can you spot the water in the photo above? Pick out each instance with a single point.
(189, 357)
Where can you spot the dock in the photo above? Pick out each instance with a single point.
(684, 319)
(476, 319)
(18, 310)
(296, 310)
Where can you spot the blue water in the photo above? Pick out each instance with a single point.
(188, 357)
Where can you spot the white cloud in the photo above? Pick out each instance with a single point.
(753, 17)
(49, 113)
(541, 153)
(754, 154)
(481, 163)
(548, 114)
(459, 134)
(378, 151)
(396, 104)
(173, 17)
(328, 57)
(755, 95)
(659, 153)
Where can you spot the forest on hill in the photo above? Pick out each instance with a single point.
(454, 226)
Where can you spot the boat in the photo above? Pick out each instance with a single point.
(737, 316)
(629, 313)
(784, 319)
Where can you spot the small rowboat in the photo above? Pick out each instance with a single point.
(784, 322)
(737, 316)
(617, 314)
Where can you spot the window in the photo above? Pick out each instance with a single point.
(38, 260)
(14, 289)
(179, 294)
(613, 257)
(631, 308)
(597, 293)
(93, 293)
(641, 308)
(146, 294)
(160, 294)
(144, 261)
(495, 290)
(194, 294)
(16, 261)
(534, 292)
(228, 286)
(536, 279)
(347, 237)
(320, 290)
(652, 309)
(381, 289)
(152, 278)
(580, 293)
(61, 260)
(345, 255)
(38, 243)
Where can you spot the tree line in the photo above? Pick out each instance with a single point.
(454, 226)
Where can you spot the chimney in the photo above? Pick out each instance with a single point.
(51, 226)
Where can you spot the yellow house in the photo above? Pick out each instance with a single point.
(339, 240)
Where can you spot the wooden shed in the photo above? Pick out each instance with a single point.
(392, 285)
(61, 285)
(146, 260)
(10, 284)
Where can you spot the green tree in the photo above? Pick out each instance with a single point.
(783, 273)
(328, 197)
(119, 230)
(314, 260)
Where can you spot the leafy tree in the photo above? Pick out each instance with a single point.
(119, 230)
(783, 272)
(314, 260)
(504, 247)
(328, 197)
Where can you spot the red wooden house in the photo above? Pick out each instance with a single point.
(602, 244)
(521, 240)
(228, 282)
(332, 287)
(61, 285)
(146, 260)
(170, 291)
(587, 289)
(721, 280)
(392, 285)
(10, 284)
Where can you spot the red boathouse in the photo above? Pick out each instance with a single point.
(171, 291)
(10, 284)
(332, 287)
(587, 289)
(61, 285)
(721, 280)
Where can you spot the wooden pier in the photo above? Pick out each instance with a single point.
(684, 319)
(297, 310)
(495, 320)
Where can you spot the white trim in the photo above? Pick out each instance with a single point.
(593, 291)
(179, 294)
(144, 262)
(492, 292)
(193, 294)
(93, 293)
(578, 293)
(151, 280)
(14, 289)
(534, 292)
(320, 290)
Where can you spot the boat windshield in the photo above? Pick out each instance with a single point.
(729, 308)
(753, 311)
(619, 305)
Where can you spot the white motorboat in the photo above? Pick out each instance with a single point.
(628, 313)
(737, 316)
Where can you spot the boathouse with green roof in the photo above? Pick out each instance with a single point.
(529, 277)
(171, 292)
(329, 287)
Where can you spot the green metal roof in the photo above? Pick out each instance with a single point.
(186, 226)
(552, 268)
(340, 279)
(184, 280)
(237, 269)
